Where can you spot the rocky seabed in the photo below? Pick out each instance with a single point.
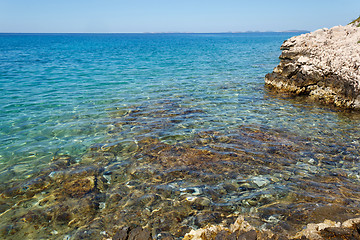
(137, 186)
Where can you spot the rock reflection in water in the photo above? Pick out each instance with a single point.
(141, 179)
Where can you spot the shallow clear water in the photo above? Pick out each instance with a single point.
(68, 96)
(57, 90)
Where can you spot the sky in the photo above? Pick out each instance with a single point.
(131, 16)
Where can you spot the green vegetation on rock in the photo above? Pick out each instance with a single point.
(356, 21)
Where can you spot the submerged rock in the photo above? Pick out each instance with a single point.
(132, 234)
(142, 186)
(324, 65)
(79, 187)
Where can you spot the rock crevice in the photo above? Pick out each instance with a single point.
(324, 65)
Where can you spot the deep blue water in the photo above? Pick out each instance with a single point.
(57, 91)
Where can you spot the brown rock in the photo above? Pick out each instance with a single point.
(79, 187)
(139, 234)
(204, 218)
(251, 235)
(337, 233)
(222, 235)
(121, 234)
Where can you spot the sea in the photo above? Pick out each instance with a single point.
(168, 132)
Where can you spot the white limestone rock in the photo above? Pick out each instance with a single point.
(324, 64)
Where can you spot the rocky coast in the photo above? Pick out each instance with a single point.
(241, 229)
(324, 65)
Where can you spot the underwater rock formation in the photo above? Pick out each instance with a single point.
(324, 65)
(147, 186)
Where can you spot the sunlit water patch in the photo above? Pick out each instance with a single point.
(166, 131)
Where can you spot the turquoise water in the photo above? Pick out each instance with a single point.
(57, 91)
(65, 96)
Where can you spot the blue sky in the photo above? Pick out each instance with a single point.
(173, 15)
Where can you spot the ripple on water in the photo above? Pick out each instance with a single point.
(138, 178)
(100, 134)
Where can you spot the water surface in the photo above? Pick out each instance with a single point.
(152, 129)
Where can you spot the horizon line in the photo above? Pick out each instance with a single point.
(286, 31)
